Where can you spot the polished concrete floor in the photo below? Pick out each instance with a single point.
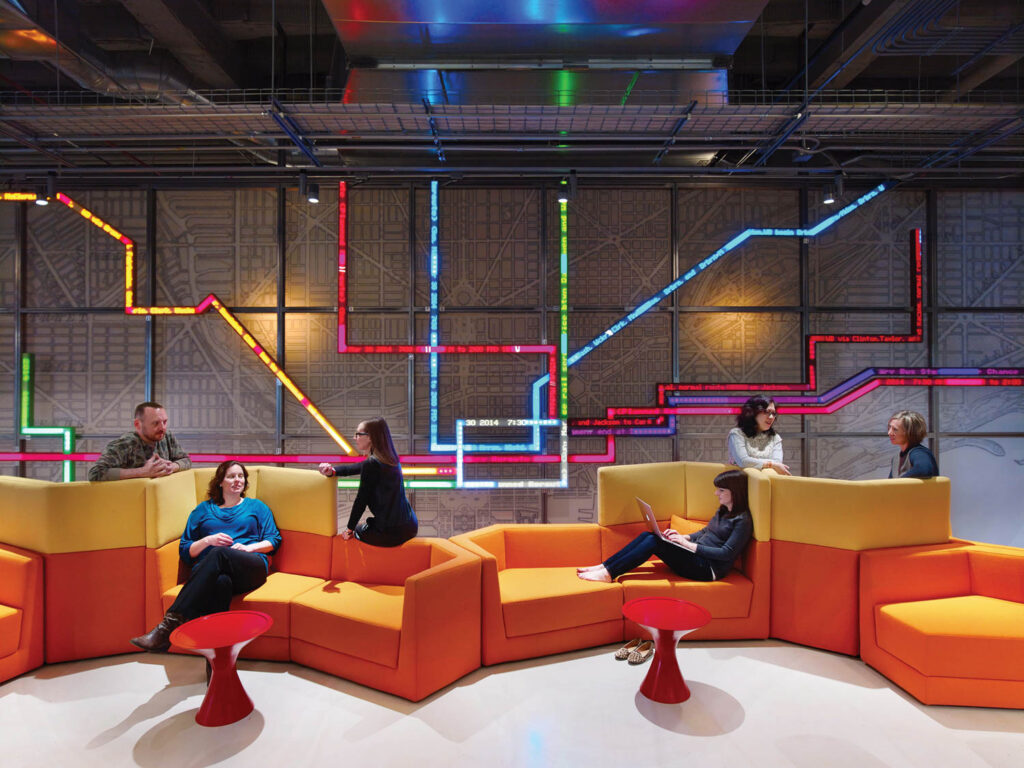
(753, 704)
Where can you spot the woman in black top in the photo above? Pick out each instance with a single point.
(705, 555)
(380, 488)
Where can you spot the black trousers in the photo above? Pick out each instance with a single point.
(389, 537)
(219, 575)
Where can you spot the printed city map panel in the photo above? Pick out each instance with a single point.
(578, 502)
(483, 328)
(839, 362)
(346, 388)
(478, 387)
(8, 254)
(217, 241)
(620, 247)
(89, 370)
(74, 263)
(739, 347)
(370, 328)
(990, 341)
(447, 513)
(864, 259)
(211, 382)
(981, 248)
(489, 248)
(764, 271)
(10, 377)
(378, 259)
(623, 371)
(714, 448)
(849, 458)
(311, 249)
(986, 487)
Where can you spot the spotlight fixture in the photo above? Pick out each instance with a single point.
(563, 191)
(307, 189)
(830, 194)
(50, 190)
(567, 188)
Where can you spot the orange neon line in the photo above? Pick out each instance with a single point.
(211, 300)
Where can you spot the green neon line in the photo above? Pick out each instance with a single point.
(27, 411)
(629, 88)
(26, 391)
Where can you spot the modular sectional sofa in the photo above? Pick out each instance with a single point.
(535, 605)
(854, 567)
(110, 556)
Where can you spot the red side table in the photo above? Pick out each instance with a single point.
(668, 619)
(219, 637)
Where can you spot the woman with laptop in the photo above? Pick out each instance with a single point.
(706, 555)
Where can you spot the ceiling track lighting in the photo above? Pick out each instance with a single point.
(307, 189)
(830, 194)
(50, 191)
(568, 187)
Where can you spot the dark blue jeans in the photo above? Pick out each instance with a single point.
(219, 575)
(684, 563)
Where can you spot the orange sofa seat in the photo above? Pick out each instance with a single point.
(405, 620)
(21, 611)
(946, 623)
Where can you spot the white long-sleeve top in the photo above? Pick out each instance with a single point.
(754, 451)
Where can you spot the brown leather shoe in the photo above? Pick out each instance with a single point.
(158, 638)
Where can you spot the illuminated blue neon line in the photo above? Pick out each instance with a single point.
(537, 399)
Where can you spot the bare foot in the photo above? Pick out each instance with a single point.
(598, 574)
(586, 568)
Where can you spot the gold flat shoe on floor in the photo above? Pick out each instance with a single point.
(643, 652)
(623, 653)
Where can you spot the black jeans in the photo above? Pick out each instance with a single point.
(389, 537)
(684, 563)
(219, 575)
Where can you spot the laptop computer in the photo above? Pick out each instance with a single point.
(652, 521)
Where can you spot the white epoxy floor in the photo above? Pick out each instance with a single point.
(754, 704)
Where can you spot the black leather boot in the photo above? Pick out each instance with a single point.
(158, 638)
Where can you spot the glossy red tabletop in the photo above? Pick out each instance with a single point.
(217, 630)
(667, 613)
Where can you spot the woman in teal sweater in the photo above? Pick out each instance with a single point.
(226, 542)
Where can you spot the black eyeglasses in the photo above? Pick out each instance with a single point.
(362, 434)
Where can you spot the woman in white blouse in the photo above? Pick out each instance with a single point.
(754, 441)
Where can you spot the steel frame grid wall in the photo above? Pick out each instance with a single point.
(932, 312)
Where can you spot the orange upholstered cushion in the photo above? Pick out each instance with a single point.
(538, 600)
(972, 636)
(361, 620)
(727, 598)
(10, 630)
(997, 573)
(354, 561)
(273, 598)
(546, 546)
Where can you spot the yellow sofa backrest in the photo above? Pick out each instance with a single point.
(860, 514)
(54, 518)
(301, 500)
(680, 488)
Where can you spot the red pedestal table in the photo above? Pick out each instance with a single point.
(219, 637)
(667, 619)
